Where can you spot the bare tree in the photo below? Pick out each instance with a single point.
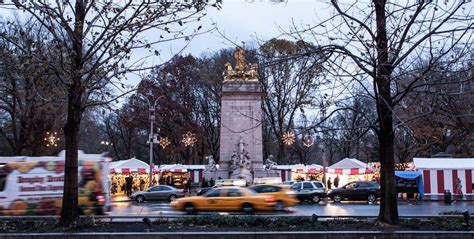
(289, 85)
(95, 40)
(374, 44)
(28, 104)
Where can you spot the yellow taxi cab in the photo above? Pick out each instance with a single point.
(283, 195)
(225, 199)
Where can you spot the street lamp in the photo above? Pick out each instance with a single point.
(152, 139)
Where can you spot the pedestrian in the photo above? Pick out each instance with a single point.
(204, 183)
(188, 186)
(129, 181)
(169, 180)
(211, 182)
(458, 189)
(336, 181)
(329, 183)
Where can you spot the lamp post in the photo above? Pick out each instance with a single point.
(151, 138)
(323, 118)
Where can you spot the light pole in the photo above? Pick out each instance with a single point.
(323, 118)
(151, 138)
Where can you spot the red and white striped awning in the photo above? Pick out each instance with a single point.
(349, 171)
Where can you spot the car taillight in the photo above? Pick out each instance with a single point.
(269, 200)
(100, 199)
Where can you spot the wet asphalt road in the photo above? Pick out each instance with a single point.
(322, 209)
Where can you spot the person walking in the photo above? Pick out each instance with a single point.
(128, 182)
(336, 181)
(458, 189)
(204, 183)
(329, 183)
(211, 182)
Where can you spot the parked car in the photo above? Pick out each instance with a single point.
(313, 191)
(225, 199)
(282, 194)
(159, 192)
(360, 190)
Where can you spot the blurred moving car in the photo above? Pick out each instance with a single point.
(221, 183)
(202, 191)
(313, 191)
(225, 199)
(284, 197)
(359, 190)
(159, 192)
(267, 180)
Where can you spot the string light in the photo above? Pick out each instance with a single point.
(164, 142)
(51, 139)
(189, 139)
(288, 138)
(308, 141)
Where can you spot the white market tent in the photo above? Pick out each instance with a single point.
(349, 166)
(440, 174)
(129, 166)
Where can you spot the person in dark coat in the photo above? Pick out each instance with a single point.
(336, 181)
(329, 183)
(211, 182)
(204, 183)
(129, 182)
(169, 180)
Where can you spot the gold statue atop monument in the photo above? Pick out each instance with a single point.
(242, 70)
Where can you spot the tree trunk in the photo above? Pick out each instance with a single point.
(69, 212)
(388, 204)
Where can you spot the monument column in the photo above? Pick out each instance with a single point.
(241, 121)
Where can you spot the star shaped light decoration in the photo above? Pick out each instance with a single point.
(308, 141)
(288, 138)
(164, 142)
(51, 139)
(189, 139)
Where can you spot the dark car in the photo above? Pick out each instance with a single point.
(160, 192)
(202, 191)
(309, 190)
(360, 190)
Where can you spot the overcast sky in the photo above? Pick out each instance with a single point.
(242, 20)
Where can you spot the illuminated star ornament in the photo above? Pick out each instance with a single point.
(51, 139)
(288, 138)
(189, 139)
(308, 141)
(164, 142)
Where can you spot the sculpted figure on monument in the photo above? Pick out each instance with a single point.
(269, 163)
(242, 71)
(239, 55)
(211, 166)
(241, 157)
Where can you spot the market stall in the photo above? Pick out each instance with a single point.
(349, 170)
(284, 171)
(409, 182)
(133, 168)
(300, 172)
(441, 174)
(174, 175)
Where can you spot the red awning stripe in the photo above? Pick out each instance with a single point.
(351, 171)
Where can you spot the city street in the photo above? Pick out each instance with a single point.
(322, 209)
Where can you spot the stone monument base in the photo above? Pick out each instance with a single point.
(262, 173)
(242, 173)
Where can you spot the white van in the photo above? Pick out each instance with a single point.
(34, 185)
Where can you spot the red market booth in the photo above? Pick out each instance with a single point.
(349, 170)
(440, 174)
(119, 170)
(180, 174)
(301, 172)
